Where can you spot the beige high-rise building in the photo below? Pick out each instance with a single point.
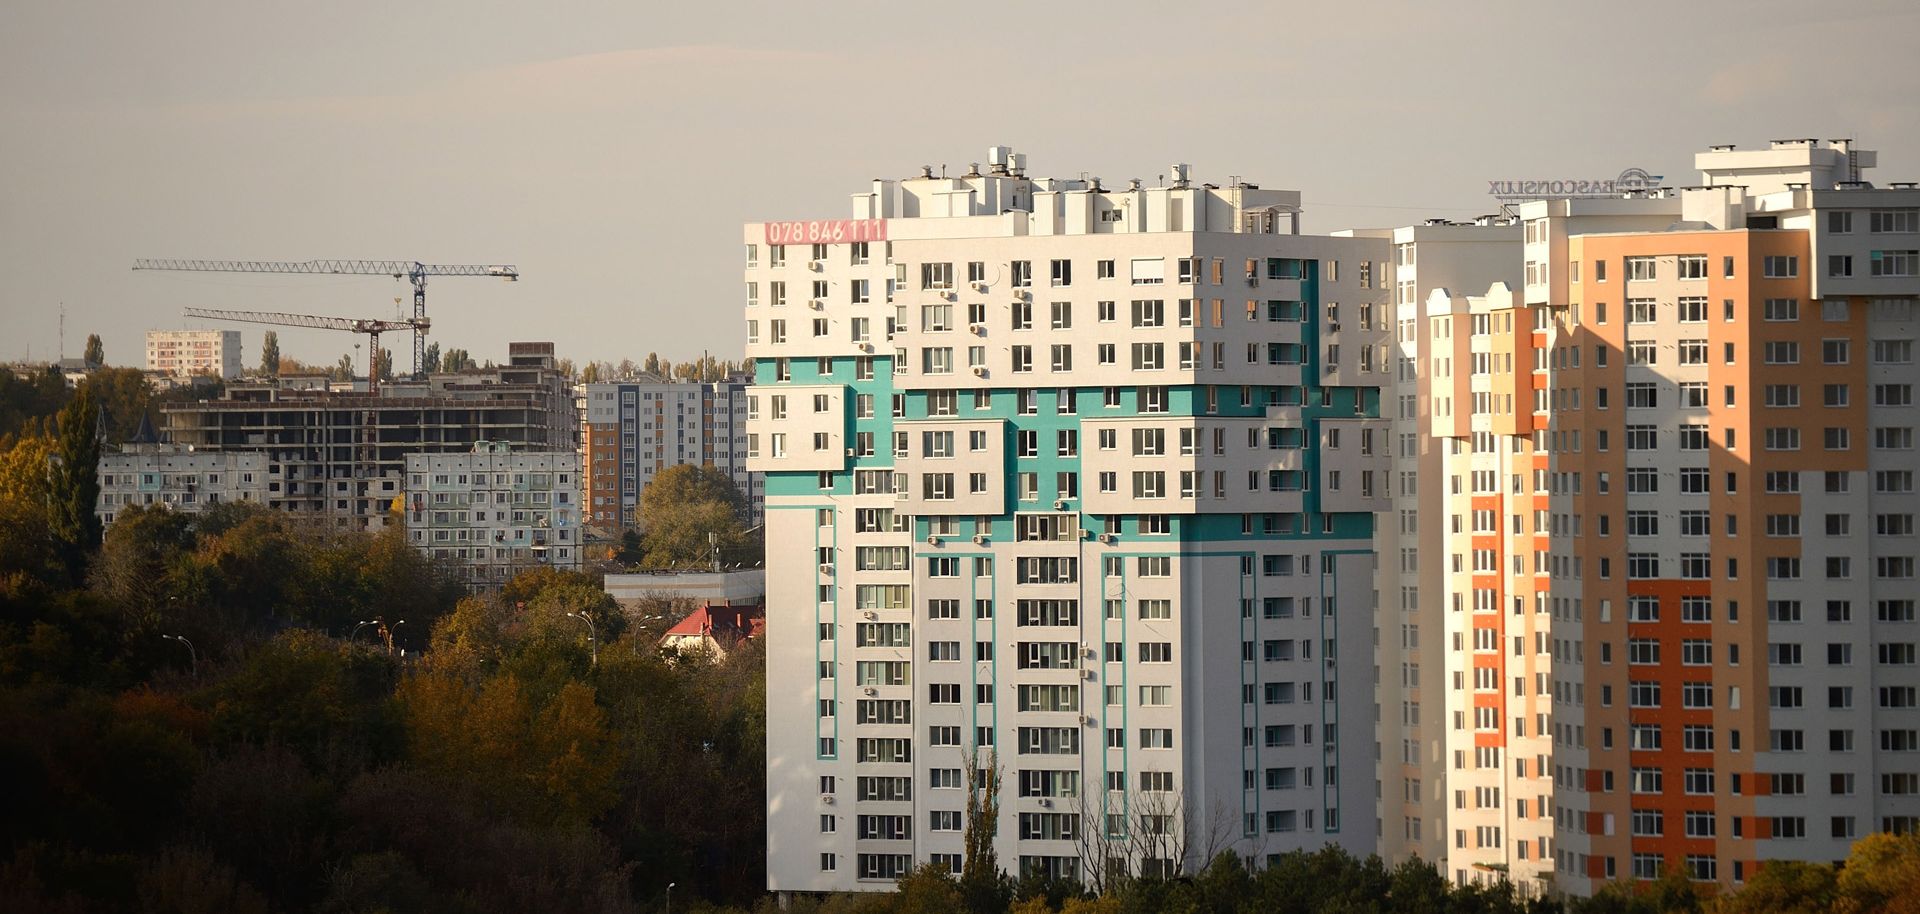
(184, 353)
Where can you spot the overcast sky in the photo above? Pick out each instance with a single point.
(611, 150)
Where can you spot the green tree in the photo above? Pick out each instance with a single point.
(456, 360)
(124, 397)
(96, 354)
(652, 365)
(386, 364)
(139, 562)
(75, 485)
(433, 358)
(688, 510)
(983, 885)
(270, 354)
(630, 552)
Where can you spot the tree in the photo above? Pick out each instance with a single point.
(652, 363)
(983, 886)
(270, 354)
(1882, 874)
(433, 358)
(456, 360)
(630, 552)
(124, 397)
(386, 364)
(590, 374)
(1784, 886)
(96, 354)
(688, 510)
(343, 369)
(75, 485)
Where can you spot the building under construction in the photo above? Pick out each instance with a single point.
(341, 455)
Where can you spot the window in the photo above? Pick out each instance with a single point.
(1781, 309)
(1894, 263)
(1780, 267)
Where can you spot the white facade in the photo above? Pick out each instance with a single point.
(179, 478)
(1082, 482)
(190, 352)
(495, 512)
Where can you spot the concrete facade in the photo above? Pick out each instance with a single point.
(493, 512)
(182, 353)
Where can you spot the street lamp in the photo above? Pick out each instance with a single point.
(192, 655)
(593, 642)
(390, 630)
(356, 629)
(670, 886)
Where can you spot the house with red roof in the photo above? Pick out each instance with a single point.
(717, 629)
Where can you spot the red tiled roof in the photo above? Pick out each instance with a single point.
(727, 625)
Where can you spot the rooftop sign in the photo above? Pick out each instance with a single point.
(1631, 180)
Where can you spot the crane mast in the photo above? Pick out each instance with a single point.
(413, 271)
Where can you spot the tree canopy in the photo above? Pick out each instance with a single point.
(686, 511)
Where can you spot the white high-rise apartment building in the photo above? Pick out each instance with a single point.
(1078, 483)
(184, 353)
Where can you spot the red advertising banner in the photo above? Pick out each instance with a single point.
(827, 231)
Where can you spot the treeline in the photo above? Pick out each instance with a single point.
(1881, 875)
(197, 716)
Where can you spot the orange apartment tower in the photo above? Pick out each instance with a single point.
(1730, 581)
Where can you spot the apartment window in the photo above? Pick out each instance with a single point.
(1781, 309)
(1640, 269)
(1780, 267)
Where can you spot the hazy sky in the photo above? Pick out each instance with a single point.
(611, 150)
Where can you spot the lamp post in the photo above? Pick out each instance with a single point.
(593, 642)
(356, 629)
(390, 630)
(670, 886)
(193, 656)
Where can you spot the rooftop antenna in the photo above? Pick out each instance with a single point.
(63, 330)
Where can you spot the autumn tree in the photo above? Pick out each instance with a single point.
(1882, 874)
(688, 511)
(270, 354)
(343, 369)
(96, 354)
(456, 360)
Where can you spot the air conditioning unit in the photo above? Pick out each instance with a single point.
(1086, 720)
(866, 347)
(870, 614)
(979, 371)
(850, 453)
(870, 690)
(950, 295)
(1023, 295)
(977, 329)
(979, 539)
(979, 285)
(1085, 533)
(1059, 504)
(816, 265)
(1106, 538)
(1086, 674)
(1046, 803)
(816, 304)
(933, 541)
(827, 798)
(826, 570)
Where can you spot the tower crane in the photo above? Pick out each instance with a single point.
(372, 327)
(412, 271)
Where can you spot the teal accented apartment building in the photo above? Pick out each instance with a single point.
(1077, 484)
